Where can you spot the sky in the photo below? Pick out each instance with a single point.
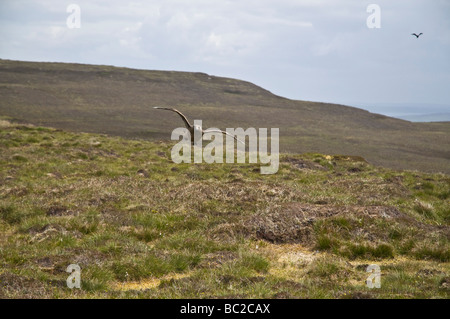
(334, 51)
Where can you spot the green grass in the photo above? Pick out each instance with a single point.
(141, 226)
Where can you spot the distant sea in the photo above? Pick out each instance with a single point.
(413, 112)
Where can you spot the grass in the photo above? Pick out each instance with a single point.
(140, 226)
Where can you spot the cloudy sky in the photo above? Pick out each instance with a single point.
(318, 50)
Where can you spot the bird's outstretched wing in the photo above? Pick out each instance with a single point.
(186, 122)
(224, 132)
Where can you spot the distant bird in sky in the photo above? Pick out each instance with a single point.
(417, 35)
(194, 128)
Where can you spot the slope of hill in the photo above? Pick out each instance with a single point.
(118, 101)
(140, 226)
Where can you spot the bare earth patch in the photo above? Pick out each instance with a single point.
(293, 223)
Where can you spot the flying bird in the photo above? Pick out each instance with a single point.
(417, 35)
(195, 128)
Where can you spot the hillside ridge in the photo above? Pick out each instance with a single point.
(118, 101)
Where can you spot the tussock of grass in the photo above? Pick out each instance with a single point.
(380, 251)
